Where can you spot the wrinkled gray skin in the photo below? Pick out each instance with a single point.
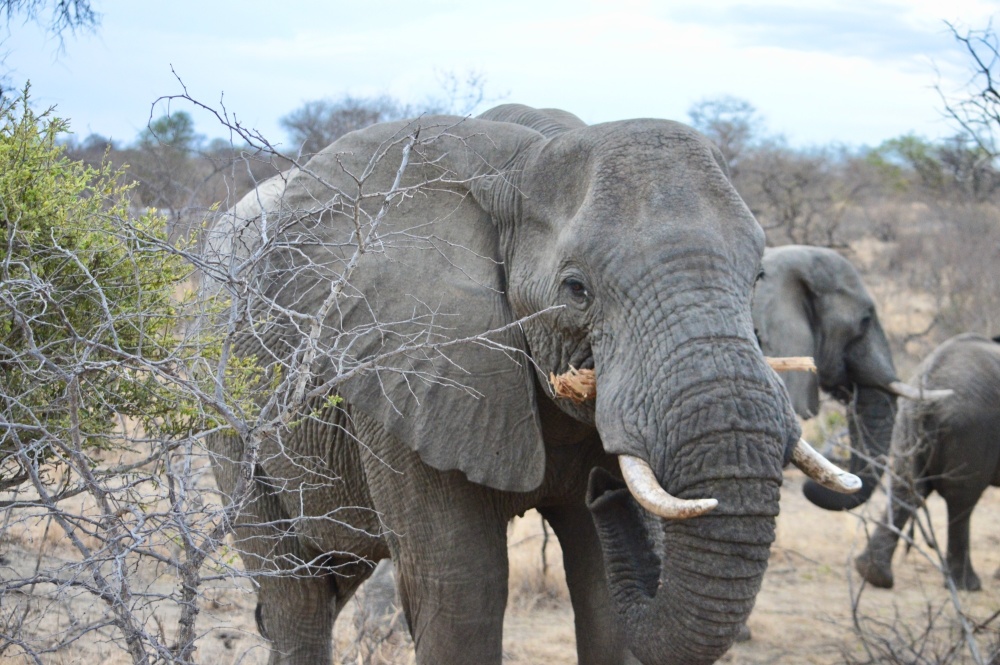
(811, 301)
(951, 446)
(634, 230)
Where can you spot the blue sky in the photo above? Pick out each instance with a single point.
(818, 71)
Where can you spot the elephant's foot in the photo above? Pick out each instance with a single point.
(965, 578)
(875, 573)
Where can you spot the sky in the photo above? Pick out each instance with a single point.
(817, 71)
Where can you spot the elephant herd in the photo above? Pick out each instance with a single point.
(945, 438)
(430, 275)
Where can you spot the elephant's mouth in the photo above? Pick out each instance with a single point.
(579, 385)
(575, 381)
(582, 357)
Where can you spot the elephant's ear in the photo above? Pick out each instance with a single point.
(782, 318)
(423, 328)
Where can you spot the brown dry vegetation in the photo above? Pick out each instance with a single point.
(803, 613)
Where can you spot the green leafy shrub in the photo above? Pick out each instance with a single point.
(88, 302)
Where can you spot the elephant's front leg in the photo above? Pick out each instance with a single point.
(600, 639)
(875, 563)
(449, 544)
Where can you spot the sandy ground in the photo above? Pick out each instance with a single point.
(803, 613)
(811, 597)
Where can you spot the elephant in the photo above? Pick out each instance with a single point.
(811, 301)
(522, 244)
(951, 446)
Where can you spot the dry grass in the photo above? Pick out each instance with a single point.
(537, 578)
(803, 612)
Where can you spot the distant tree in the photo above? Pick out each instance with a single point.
(176, 170)
(970, 166)
(97, 142)
(174, 131)
(92, 149)
(909, 159)
(955, 170)
(732, 123)
(800, 196)
(318, 123)
(162, 163)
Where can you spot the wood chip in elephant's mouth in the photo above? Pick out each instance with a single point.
(580, 385)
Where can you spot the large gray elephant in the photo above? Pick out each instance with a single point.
(619, 247)
(950, 446)
(811, 301)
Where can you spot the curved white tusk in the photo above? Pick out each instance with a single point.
(644, 486)
(909, 392)
(823, 471)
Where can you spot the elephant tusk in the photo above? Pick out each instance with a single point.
(792, 364)
(823, 471)
(646, 490)
(917, 394)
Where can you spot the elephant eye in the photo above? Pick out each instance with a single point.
(576, 288)
(760, 276)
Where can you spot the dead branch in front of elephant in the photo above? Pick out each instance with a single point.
(902, 640)
(111, 496)
(946, 632)
(935, 637)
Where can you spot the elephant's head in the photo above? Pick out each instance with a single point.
(620, 247)
(810, 301)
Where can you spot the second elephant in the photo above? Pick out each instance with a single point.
(811, 301)
(951, 446)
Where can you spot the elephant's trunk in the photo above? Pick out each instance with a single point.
(683, 588)
(870, 421)
(719, 428)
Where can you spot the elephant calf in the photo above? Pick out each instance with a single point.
(951, 446)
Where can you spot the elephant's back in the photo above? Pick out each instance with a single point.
(968, 364)
(234, 234)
